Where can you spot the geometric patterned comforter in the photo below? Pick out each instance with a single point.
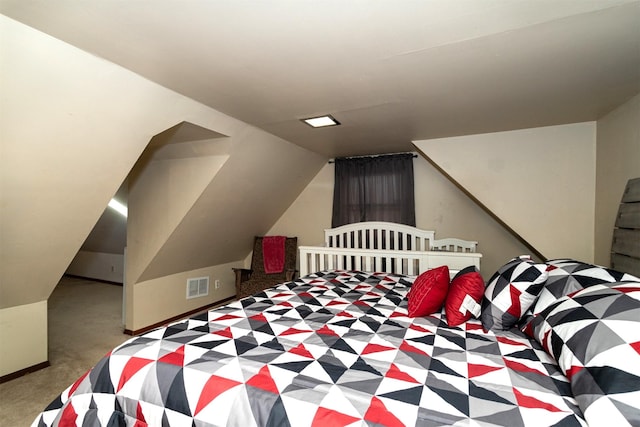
(334, 348)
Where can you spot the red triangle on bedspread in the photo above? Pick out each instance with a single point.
(69, 416)
(395, 372)
(130, 369)
(263, 381)
(301, 350)
(476, 370)
(214, 387)
(329, 418)
(532, 402)
(405, 346)
(379, 414)
(174, 358)
(140, 420)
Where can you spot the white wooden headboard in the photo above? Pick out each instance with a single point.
(388, 235)
(386, 247)
(379, 235)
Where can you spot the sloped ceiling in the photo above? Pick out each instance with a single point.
(200, 203)
(184, 140)
(389, 72)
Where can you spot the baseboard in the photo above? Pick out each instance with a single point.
(25, 371)
(93, 279)
(178, 317)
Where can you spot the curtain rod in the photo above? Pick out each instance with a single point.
(371, 157)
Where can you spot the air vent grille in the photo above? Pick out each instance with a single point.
(197, 287)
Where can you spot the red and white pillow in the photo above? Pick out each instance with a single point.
(461, 298)
(428, 292)
(465, 296)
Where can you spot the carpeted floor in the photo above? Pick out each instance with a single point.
(85, 322)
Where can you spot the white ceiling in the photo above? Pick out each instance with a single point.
(389, 71)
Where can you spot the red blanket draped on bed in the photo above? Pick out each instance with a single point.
(273, 253)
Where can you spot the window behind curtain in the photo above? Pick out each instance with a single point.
(374, 189)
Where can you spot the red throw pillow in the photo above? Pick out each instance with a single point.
(464, 297)
(428, 292)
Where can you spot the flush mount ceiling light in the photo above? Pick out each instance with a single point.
(321, 121)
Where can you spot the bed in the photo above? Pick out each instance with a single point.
(349, 347)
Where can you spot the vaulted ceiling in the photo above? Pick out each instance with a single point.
(390, 72)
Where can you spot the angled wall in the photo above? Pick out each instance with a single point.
(540, 182)
(193, 216)
(73, 126)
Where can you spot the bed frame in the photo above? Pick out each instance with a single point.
(387, 247)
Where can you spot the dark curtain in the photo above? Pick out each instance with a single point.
(376, 188)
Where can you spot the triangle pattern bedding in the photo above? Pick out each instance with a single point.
(334, 348)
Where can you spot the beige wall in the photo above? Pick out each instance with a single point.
(153, 301)
(23, 337)
(440, 206)
(98, 265)
(161, 192)
(443, 207)
(310, 213)
(540, 182)
(618, 154)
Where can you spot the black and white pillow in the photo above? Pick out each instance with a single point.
(594, 335)
(511, 291)
(568, 275)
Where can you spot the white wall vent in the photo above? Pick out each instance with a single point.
(197, 287)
